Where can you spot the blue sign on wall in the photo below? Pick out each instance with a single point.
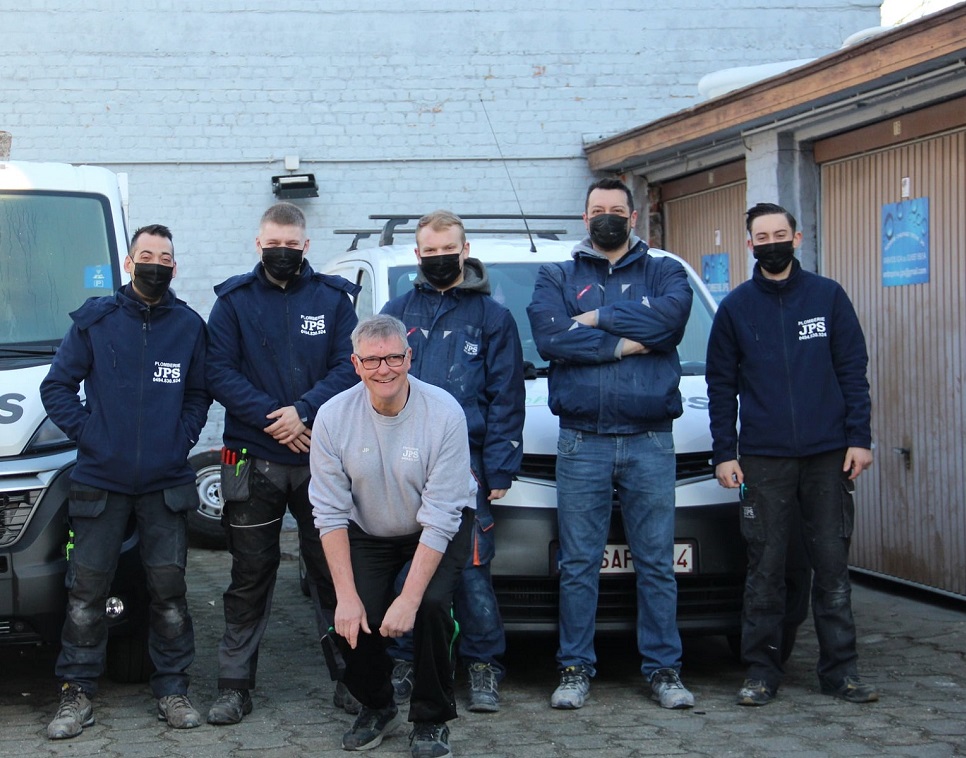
(715, 271)
(97, 277)
(905, 242)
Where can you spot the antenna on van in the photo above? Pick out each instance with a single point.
(533, 247)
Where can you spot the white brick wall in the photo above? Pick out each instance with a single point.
(200, 102)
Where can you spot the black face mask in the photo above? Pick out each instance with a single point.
(282, 263)
(152, 280)
(441, 270)
(608, 231)
(774, 257)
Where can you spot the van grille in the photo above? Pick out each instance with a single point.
(16, 508)
(704, 603)
(689, 466)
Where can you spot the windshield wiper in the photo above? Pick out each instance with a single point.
(28, 351)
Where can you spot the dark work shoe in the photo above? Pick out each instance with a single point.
(343, 700)
(74, 713)
(230, 707)
(178, 711)
(754, 692)
(852, 689)
(429, 740)
(484, 694)
(370, 727)
(573, 689)
(402, 680)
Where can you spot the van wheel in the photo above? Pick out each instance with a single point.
(204, 524)
(128, 660)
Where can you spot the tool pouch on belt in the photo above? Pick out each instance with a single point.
(236, 475)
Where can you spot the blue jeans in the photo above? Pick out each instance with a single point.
(98, 519)
(778, 490)
(642, 468)
(482, 639)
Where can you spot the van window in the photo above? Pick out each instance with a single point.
(55, 252)
(511, 285)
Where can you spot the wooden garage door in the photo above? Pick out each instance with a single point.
(911, 507)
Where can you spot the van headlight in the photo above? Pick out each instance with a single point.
(48, 438)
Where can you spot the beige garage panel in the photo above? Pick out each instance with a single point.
(700, 221)
(911, 507)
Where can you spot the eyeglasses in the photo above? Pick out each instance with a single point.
(374, 361)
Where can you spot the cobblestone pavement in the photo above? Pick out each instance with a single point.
(912, 650)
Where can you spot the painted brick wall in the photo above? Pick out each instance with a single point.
(200, 102)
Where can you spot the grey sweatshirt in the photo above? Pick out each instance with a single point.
(392, 475)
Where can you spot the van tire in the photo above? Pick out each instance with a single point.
(204, 525)
(128, 659)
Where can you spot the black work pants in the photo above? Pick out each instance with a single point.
(376, 561)
(815, 488)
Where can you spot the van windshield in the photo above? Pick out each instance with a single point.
(55, 252)
(511, 284)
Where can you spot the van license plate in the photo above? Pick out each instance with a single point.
(617, 559)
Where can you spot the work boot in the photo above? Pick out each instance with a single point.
(343, 700)
(178, 711)
(75, 713)
(851, 689)
(370, 727)
(573, 689)
(484, 695)
(230, 707)
(755, 692)
(429, 740)
(669, 691)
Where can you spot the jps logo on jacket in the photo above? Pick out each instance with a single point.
(471, 348)
(313, 325)
(167, 373)
(811, 328)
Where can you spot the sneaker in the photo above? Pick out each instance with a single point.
(230, 707)
(852, 689)
(484, 695)
(370, 727)
(178, 711)
(429, 740)
(74, 713)
(402, 680)
(667, 689)
(344, 700)
(755, 692)
(573, 690)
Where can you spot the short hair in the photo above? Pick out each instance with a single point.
(379, 327)
(768, 209)
(609, 183)
(152, 230)
(438, 221)
(284, 214)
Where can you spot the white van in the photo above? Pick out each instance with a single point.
(62, 240)
(709, 551)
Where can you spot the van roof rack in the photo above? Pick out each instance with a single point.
(394, 223)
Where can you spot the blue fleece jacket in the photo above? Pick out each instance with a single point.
(468, 344)
(143, 374)
(271, 347)
(643, 298)
(793, 353)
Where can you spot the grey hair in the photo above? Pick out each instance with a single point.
(379, 327)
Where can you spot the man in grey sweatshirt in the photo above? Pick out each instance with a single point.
(391, 482)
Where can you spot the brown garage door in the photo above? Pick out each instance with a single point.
(911, 507)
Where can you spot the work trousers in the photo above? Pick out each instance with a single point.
(253, 528)
(816, 488)
(376, 562)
